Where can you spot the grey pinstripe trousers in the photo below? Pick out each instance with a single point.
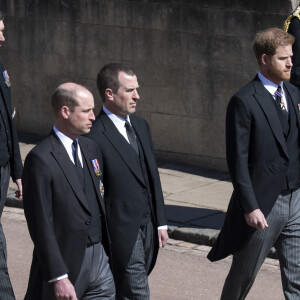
(135, 283)
(284, 234)
(95, 280)
(6, 290)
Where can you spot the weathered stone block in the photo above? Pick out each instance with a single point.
(190, 58)
(188, 135)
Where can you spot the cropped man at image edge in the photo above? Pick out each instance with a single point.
(10, 164)
(262, 143)
(132, 189)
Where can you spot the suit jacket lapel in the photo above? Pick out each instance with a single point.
(62, 158)
(293, 96)
(86, 153)
(121, 146)
(263, 96)
(145, 143)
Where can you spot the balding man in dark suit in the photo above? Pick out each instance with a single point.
(64, 208)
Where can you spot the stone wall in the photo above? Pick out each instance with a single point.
(190, 57)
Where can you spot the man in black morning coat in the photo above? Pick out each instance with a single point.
(10, 164)
(292, 26)
(132, 190)
(64, 208)
(262, 143)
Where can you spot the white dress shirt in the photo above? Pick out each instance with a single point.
(120, 125)
(272, 87)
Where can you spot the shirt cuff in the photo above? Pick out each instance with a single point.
(164, 227)
(58, 278)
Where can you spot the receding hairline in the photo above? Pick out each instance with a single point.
(72, 87)
(66, 95)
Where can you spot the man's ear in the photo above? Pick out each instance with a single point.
(65, 112)
(109, 94)
(265, 59)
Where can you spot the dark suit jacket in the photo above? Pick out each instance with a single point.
(294, 29)
(124, 186)
(16, 166)
(57, 211)
(257, 160)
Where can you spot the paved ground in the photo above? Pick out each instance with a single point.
(196, 200)
(182, 271)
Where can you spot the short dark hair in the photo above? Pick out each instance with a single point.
(2, 15)
(108, 77)
(61, 97)
(268, 40)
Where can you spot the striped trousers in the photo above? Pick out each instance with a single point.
(284, 234)
(6, 290)
(135, 281)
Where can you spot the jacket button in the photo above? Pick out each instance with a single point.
(286, 163)
(88, 222)
(144, 191)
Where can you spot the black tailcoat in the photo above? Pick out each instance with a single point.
(257, 160)
(124, 186)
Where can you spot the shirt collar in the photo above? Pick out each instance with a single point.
(268, 84)
(66, 141)
(116, 119)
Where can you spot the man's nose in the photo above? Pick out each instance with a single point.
(136, 95)
(92, 116)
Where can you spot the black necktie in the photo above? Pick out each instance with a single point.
(131, 137)
(78, 166)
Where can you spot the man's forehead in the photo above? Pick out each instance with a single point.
(1, 25)
(128, 80)
(283, 48)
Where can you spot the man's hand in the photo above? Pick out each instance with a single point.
(162, 237)
(19, 192)
(64, 290)
(256, 219)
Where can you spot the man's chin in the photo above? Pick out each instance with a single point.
(85, 131)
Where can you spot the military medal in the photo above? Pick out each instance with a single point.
(6, 78)
(101, 188)
(96, 167)
(13, 113)
(282, 105)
